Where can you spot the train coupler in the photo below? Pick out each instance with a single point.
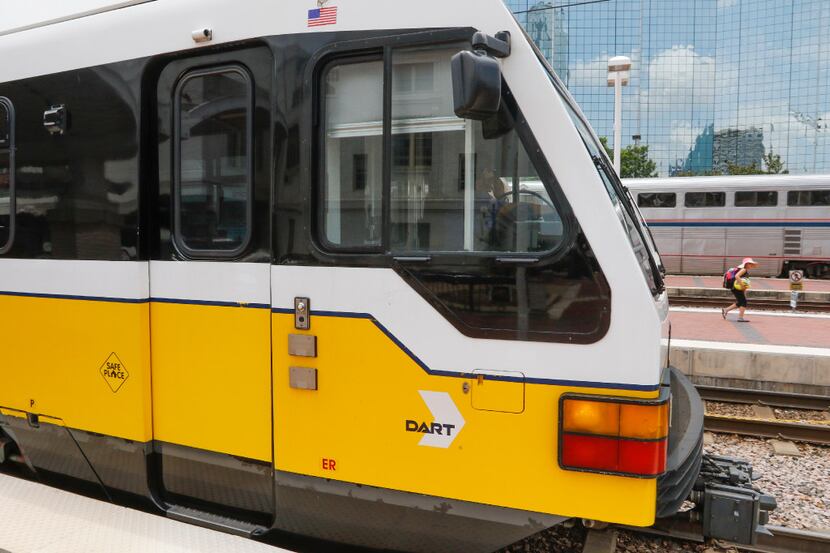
(727, 503)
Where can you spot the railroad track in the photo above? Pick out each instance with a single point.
(781, 540)
(754, 303)
(815, 433)
(765, 428)
(763, 397)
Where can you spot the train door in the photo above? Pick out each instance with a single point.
(210, 289)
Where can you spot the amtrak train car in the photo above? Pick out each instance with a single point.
(269, 267)
(705, 225)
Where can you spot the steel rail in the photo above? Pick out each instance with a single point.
(784, 400)
(780, 539)
(764, 428)
(791, 540)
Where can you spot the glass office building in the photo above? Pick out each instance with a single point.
(713, 82)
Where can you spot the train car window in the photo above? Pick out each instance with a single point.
(502, 204)
(705, 199)
(756, 199)
(352, 198)
(7, 174)
(656, 199)
(807, 198)
(213, 204)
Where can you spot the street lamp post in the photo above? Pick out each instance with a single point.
(618, 72)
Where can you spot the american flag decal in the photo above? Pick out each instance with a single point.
(322, 16)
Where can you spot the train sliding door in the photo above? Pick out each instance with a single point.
(210, 287)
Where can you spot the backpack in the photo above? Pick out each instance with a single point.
(729, 278)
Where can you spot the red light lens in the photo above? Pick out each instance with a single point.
(590, 452)
(642, 458)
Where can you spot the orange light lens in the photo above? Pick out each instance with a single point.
(591, 417)
(646, 422)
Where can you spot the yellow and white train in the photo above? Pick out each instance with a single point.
(344, 270)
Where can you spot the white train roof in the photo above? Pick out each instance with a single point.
(724, 183)
(19, 15)
(49, 36)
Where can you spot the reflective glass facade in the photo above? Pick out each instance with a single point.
(713, 82)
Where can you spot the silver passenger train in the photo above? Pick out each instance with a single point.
(705, 225)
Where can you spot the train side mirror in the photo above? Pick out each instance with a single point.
(476, 84)
(476, 76)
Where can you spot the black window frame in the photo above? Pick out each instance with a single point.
(355, 51)
(672, 206)
(706, 193)
(178, 239)
(793, 195)
(755, 194)
(9, 149)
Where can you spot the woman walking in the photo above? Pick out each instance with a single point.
(739, 287)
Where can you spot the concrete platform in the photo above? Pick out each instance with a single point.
(38, 519)
(775, 351)
(769, 288)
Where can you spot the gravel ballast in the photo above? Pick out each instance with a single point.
(801, 485)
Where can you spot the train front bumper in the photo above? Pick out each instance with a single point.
(685, 451)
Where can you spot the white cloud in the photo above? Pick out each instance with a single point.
(671, 74)
(589, 73)
(722, 4)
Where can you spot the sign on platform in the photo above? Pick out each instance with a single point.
(796, 280)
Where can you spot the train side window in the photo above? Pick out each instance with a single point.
(756, 199)
(502, 205)
(352, 195)
(213, 157)
(705, 199)
(807, 198)
(657, 199)
(7, 175)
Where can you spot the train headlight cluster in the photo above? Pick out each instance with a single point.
(614, 435)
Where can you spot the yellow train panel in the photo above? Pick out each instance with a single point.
(374, 405)
(85, 362)
(212, 378)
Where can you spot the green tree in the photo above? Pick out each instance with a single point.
(772, 161)
(774, 164)
(735, 169)
(634, 161)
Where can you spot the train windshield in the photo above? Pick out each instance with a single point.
(456, 185)
(630, 218)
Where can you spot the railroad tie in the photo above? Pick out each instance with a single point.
(600, 541)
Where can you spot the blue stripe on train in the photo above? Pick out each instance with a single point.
(796, 224)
